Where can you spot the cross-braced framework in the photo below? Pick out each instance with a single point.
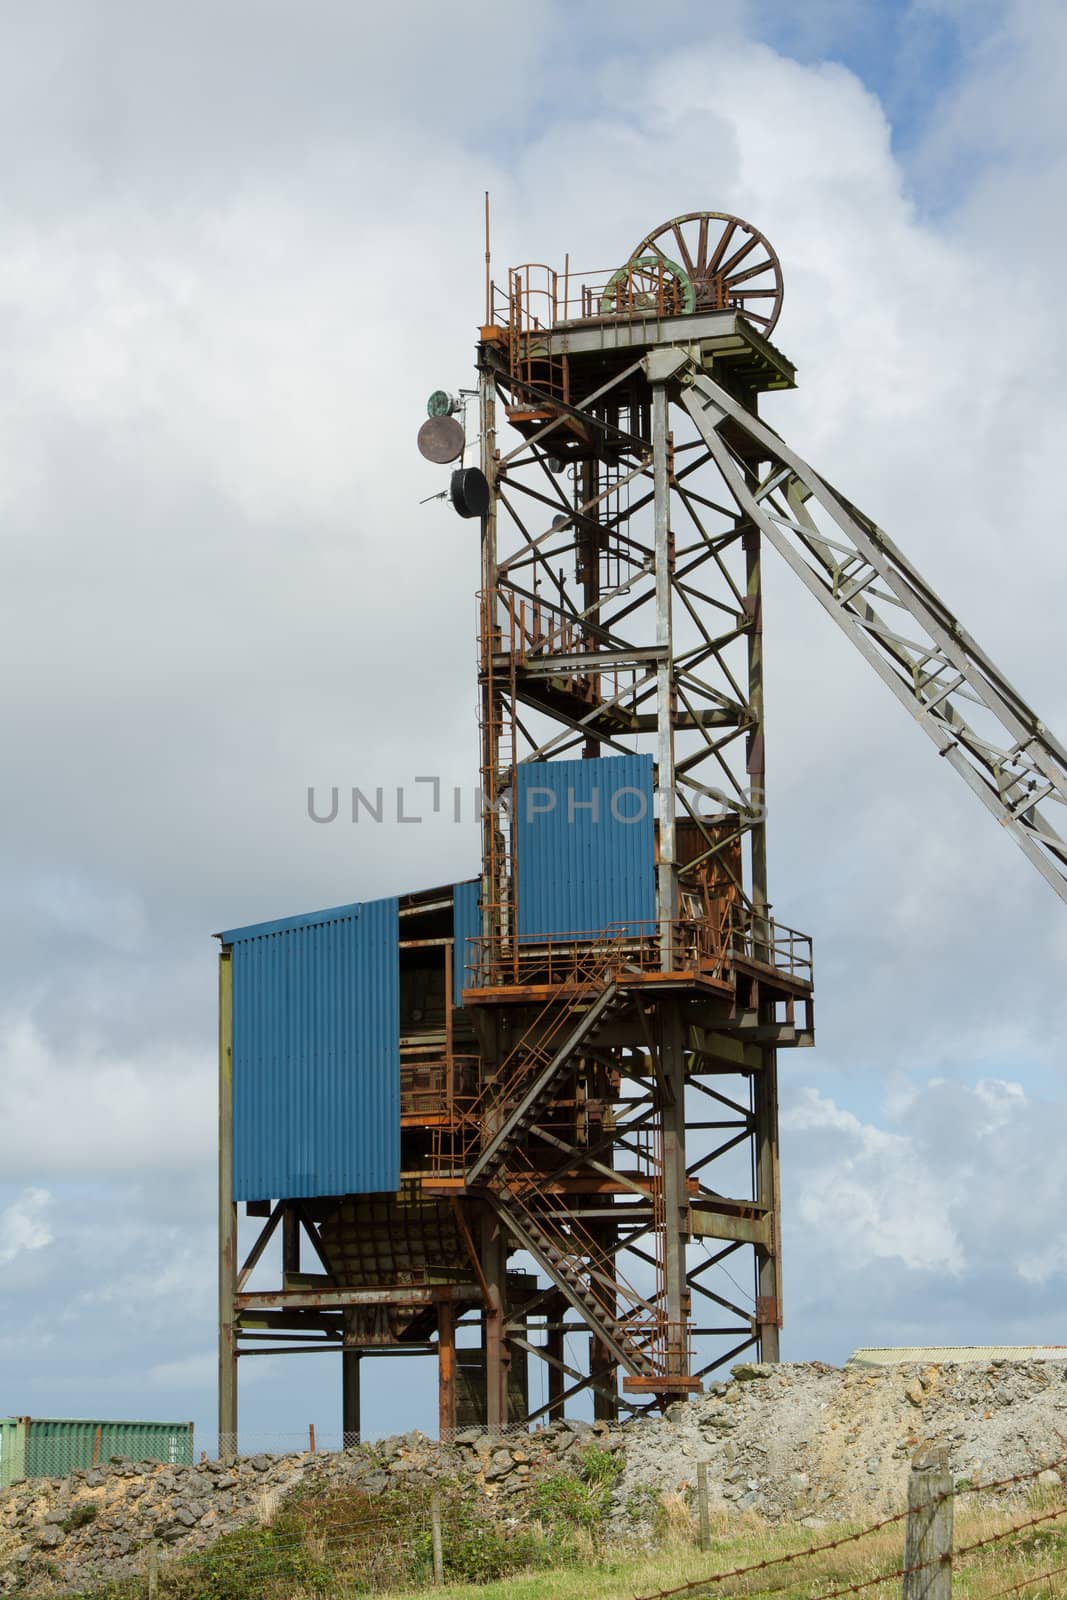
(620, 614)
(603, 1100)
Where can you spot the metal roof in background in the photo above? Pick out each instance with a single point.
(316, 1053)
(949, 1354)
(584, 845)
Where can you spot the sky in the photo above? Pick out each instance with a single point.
(241, 243)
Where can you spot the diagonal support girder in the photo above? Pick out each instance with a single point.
(1019, 774)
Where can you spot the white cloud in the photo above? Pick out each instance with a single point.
(936, 1195)
(863, 1192)
(25, 1225)
(86, 1111)
(219, 335)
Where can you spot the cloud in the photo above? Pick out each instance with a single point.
(88, 1112)
(236, 260)
(866, 1189)
(915, 1219)
(25, 1225)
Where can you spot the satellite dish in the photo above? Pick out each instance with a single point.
(442, 404)
(441, 439)
(470, 492)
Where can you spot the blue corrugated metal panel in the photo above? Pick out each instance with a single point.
(466, 925)
(584, 845)
(316, 1054)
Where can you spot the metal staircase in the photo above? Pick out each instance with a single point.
(540, 1067)
(579, 1270)
(623, 1320)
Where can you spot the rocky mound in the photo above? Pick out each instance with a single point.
(807, 1443)
(813, 1443)
(98, 1524)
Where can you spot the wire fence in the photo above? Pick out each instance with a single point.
(419, 1536)
(946, 1558)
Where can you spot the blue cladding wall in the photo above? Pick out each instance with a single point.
(316, 1054)
(584, 845)
(466, 925)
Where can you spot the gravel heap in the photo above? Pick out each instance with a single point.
(811, 1443)
(803, 1443)
(97, 1524)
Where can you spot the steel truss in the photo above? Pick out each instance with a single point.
(609, 1104)
(621, 611)
(980, 724)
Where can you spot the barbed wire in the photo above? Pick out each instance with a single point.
(1019, 1477)
(1006, 1533)
(1024, 1583)
(885, 1577)
(396, 1519)
(777, 1561)
(833, 1544)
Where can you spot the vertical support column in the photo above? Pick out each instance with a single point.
(557, 1378)
(493, 887)
(667, 874)
(290, 1240)
(768, 1263)
(675, 1191)
(351, 1361)
(765, 1106)
(227, 1221)
(756, 759)
(588, 542)
(602, 1367)
(446, 1370)
(494, 1260)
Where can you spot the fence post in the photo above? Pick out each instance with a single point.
(435, 1534)
(702, 1505)
(153, 1570)
(928, 1541)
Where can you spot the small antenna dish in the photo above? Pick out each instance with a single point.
(442, 404)
(441, 439)
(470, 492)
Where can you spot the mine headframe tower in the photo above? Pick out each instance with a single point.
(627, 1115)
(575, 1060)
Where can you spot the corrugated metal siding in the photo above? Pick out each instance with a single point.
(466, 925)
(584, 845)
(12, 1454)
(316, 1054)
(50, 1447)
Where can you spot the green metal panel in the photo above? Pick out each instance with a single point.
(50, 1447)
(12, 1451)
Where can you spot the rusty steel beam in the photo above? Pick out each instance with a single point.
(227, 1441)
(384, 1294)
(446, 1369)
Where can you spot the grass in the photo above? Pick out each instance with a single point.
(342, 1545)
(743, 1542)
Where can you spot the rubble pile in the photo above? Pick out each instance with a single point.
(805, 1443)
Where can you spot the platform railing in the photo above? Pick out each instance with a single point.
(763, 939)
(633, 948)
